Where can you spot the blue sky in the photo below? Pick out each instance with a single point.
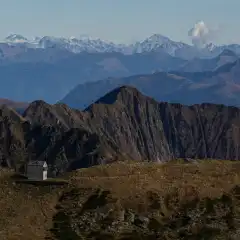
(119, 20)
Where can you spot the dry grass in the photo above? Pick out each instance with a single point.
(210, 178)
(27, 211)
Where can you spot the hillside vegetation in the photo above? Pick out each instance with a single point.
(199, 200)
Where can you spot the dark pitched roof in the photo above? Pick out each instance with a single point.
(37, 163)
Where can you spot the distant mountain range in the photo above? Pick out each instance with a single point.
(30, 70)
(156, 42)
(28, 80)
(210, 64)
(220, 86)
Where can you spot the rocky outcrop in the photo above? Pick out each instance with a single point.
(13, 129)
(124, 124)
(169, 217)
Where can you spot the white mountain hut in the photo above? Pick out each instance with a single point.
(36, 170)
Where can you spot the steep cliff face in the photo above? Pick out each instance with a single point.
(124, 124)
(73, 149)
(202, 131)
(162, 130)
(133, 122)
(124, 117)
(13, 130)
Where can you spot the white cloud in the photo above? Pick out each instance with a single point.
(201, 34)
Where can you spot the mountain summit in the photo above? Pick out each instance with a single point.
(16, 38)
(158, 42)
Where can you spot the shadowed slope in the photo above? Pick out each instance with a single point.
(122, 125)
(134, 126)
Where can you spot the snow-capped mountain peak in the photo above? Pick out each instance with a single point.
(154, 43)
(76, 45)
(158, 38)
(90, 44)
(158, 42)
(16, 38)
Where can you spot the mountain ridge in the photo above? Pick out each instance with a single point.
(219, 86)
(156, 42)
(51, 73)
(55, 75)
(122, 125)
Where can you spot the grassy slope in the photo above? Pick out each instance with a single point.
(127, 201)
(26, 210)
